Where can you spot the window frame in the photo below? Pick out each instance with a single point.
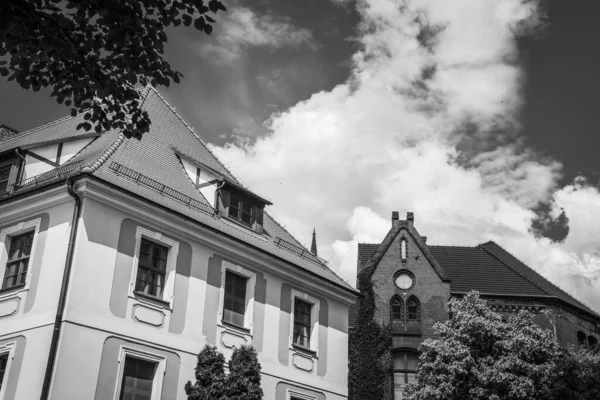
(13, 173)
(293, 395)
(250, 290)
(404, 371)
(170, 268)
(418, 312)
(402, 310)
(314, 319)
(159, 373)
(6, 236)
(7, 349)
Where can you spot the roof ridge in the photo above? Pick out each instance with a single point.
(33, 130)
(536, 272)
(452, 246)
(112, 147)
(505, 263)
(191, 129)
(239, 181)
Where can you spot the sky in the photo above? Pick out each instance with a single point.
(479, 117)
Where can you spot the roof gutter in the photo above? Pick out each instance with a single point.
(63, 291)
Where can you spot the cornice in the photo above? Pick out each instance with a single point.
(34, 203)
(232, 248)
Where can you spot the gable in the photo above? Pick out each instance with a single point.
(42, 159)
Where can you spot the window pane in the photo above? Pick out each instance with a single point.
(138, 377)
(412, 360)
(3, 362)
(234, 302)
(302, 322)
(399, 382)
(4, 175)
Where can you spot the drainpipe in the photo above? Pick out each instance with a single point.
(217, 195)
(63, 292)
(22, 167)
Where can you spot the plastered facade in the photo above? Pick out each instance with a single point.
(103, 318)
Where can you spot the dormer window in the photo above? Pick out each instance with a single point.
(240, 209)
(241, 206)
(9, 170)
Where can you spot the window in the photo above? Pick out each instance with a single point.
(4, 177)
(413, 309)
(581, 339)
(302, 325)
(404, 371)
(234, 304)
(152, 269)
(294, 395)
(304, 322)
(154, 264)
(240, 209)
(3, 368)
(241, 206)
(18, 260)
(592, 342)
(397, 308)
(403, 249)
(140, 375)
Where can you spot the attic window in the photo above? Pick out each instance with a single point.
(9, 169)
(241, 207)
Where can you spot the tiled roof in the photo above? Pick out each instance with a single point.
(489, 269)
(366, 251)
(518, 266)
(155, 157)
(61, 129)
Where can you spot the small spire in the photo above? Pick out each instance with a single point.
(313, 246)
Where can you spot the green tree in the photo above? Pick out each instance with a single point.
(210, 376)
(478, 356)
(242, 382)
(94, 53)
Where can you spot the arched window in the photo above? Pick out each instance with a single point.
(413, 309)
(397, 309)
(404, 371)
(581, 339)
(592, 342)
(403, 249)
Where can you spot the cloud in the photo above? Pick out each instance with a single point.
(242, 28)
(428, 122)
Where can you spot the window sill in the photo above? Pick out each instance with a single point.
(305, 350)
(156, 301)
(12, 290)
(236, 328)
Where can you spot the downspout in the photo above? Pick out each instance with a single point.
(217, 195)
(63, 292)
(22, 167)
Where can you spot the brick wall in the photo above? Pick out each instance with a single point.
(428, 288)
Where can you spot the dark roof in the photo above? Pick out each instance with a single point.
(518, 266)
(155, 157)
(389, 238)
(490, 269)
(365, 252)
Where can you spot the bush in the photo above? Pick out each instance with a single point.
(242, 383)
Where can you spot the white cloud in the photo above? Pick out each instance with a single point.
(242, 28)
(444, 146)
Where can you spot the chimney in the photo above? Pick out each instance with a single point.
(424, 239)
(410, 217)
(395, 217)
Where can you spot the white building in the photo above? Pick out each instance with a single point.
(121, 259)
